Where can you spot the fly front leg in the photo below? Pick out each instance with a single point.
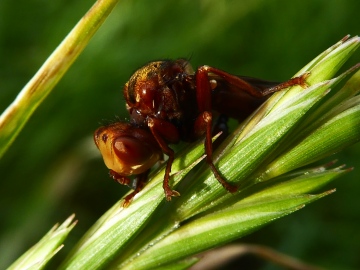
(140, 183)
(121, 179)
(164, 132)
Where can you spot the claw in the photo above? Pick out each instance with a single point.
(171, 193)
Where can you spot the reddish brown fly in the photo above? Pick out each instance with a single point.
(168, 102)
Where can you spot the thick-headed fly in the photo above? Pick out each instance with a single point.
(168, 102)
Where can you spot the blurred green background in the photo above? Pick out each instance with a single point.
(53, 169)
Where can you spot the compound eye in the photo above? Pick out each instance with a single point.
(131, 151)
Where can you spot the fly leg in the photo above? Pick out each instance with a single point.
(164, 132)
(255, 89)
(140, 181)
(124, 180)
(203, 123)
(204, 88)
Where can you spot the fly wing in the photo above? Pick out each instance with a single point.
(235, 101)
(259, 83)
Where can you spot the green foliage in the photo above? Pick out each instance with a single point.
(38, 256)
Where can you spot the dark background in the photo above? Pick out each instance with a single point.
(53, 169)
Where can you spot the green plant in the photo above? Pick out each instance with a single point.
(300, 127)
